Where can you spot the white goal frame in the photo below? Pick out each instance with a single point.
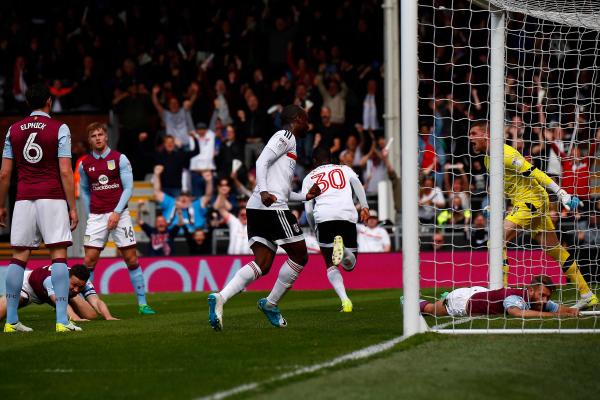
(413, 322)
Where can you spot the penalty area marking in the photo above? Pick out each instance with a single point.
(355, 355)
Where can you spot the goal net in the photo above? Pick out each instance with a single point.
(527, 72)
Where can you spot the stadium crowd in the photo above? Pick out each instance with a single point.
(196, 89)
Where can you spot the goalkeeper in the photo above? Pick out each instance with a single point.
(525, 186)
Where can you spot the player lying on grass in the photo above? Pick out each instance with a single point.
(530, 302)
(525, 186)
(332, 215)
(37, 288)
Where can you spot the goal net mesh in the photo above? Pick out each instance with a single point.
(552, 117)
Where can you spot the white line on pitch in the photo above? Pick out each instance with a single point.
(355, 355)
(453, 322)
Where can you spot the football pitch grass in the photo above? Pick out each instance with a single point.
(176, 355)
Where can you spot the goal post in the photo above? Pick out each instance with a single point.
(527, 68)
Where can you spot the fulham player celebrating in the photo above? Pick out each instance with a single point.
(39, 147)
(270, 222)
(333, 217)
(106, 186)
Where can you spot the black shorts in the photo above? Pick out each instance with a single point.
(328, 230)
(273, 227)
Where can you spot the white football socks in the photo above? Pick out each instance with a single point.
(287, 276)
(245, 276)
(349, 260)
(337, 281)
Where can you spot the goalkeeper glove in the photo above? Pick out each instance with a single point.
(569, 202)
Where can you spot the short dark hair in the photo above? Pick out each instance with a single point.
(37, 95)
(321, 155)
(290, 113)
(543, 280)
(80, 271)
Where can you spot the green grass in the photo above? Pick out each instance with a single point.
(175, 355)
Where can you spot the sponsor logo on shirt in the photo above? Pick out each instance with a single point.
(103, 179)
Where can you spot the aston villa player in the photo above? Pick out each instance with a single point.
(106, 187)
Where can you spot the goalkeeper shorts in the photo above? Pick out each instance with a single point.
(531, 217)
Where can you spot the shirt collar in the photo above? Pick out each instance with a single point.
(38, 112)
(103, 155)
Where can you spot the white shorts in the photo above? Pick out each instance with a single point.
(37, 220)
(456, 302)
(27, 291)
(96, 232)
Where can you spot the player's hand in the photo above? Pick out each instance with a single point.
(572, 312)
(158, 169)
(569, 202)
(112, 319)
(113, 221)
(267, 198)
(73, 219)
(3, 214)
(364, 214)
(313, 192)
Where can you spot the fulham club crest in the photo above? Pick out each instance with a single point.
(110, 164)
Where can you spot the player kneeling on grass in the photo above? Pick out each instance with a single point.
(37, 288)
(530, 302)
(333, 216)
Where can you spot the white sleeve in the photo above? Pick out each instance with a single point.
(357, 187)
(280, 143)
(308, 208)
(266, 158)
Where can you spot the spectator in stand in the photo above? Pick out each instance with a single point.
(224, 198)
(177, 119)
(371, 237)
(328, 134)
(576, 168)
(334, 96)
(161, 238)
(230, 149)
(136, 138)
(439, 242)
(431, 199)
(457, 214)
(173, 161)
(202, 166)
(427, 157)
(238, 234)
(372, 107)
(477, 234)
(459, 182)
(352, 154)
(221, 104)
(183, 207)
(198, 241)
(254, 126)
(375, 165)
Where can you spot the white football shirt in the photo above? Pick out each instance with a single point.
(335, 203)
(238, 236)
(205, 160)
(279, 174)
(372, 240)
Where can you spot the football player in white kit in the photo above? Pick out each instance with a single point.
(333, 217)
(270, 222)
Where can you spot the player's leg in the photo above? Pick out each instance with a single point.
(335, 278)
(437, 309)
(137, 279)
(549, 241)
(264, 254)
(290, 270)
(91, 257)
(24, 236)
(96, 235)
(60, 282)
(23, 301)
(519, 217)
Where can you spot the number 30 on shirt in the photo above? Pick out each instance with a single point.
(335, 179)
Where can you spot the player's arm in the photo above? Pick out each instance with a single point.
(267, 157)
(387, 244)
(66, 172)
(359, 191)
(126, 175)
(308, 208)
(515, 161)
(5, 174)
(100, 307)
(517, 312)
(84, 188)
(73, 316)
